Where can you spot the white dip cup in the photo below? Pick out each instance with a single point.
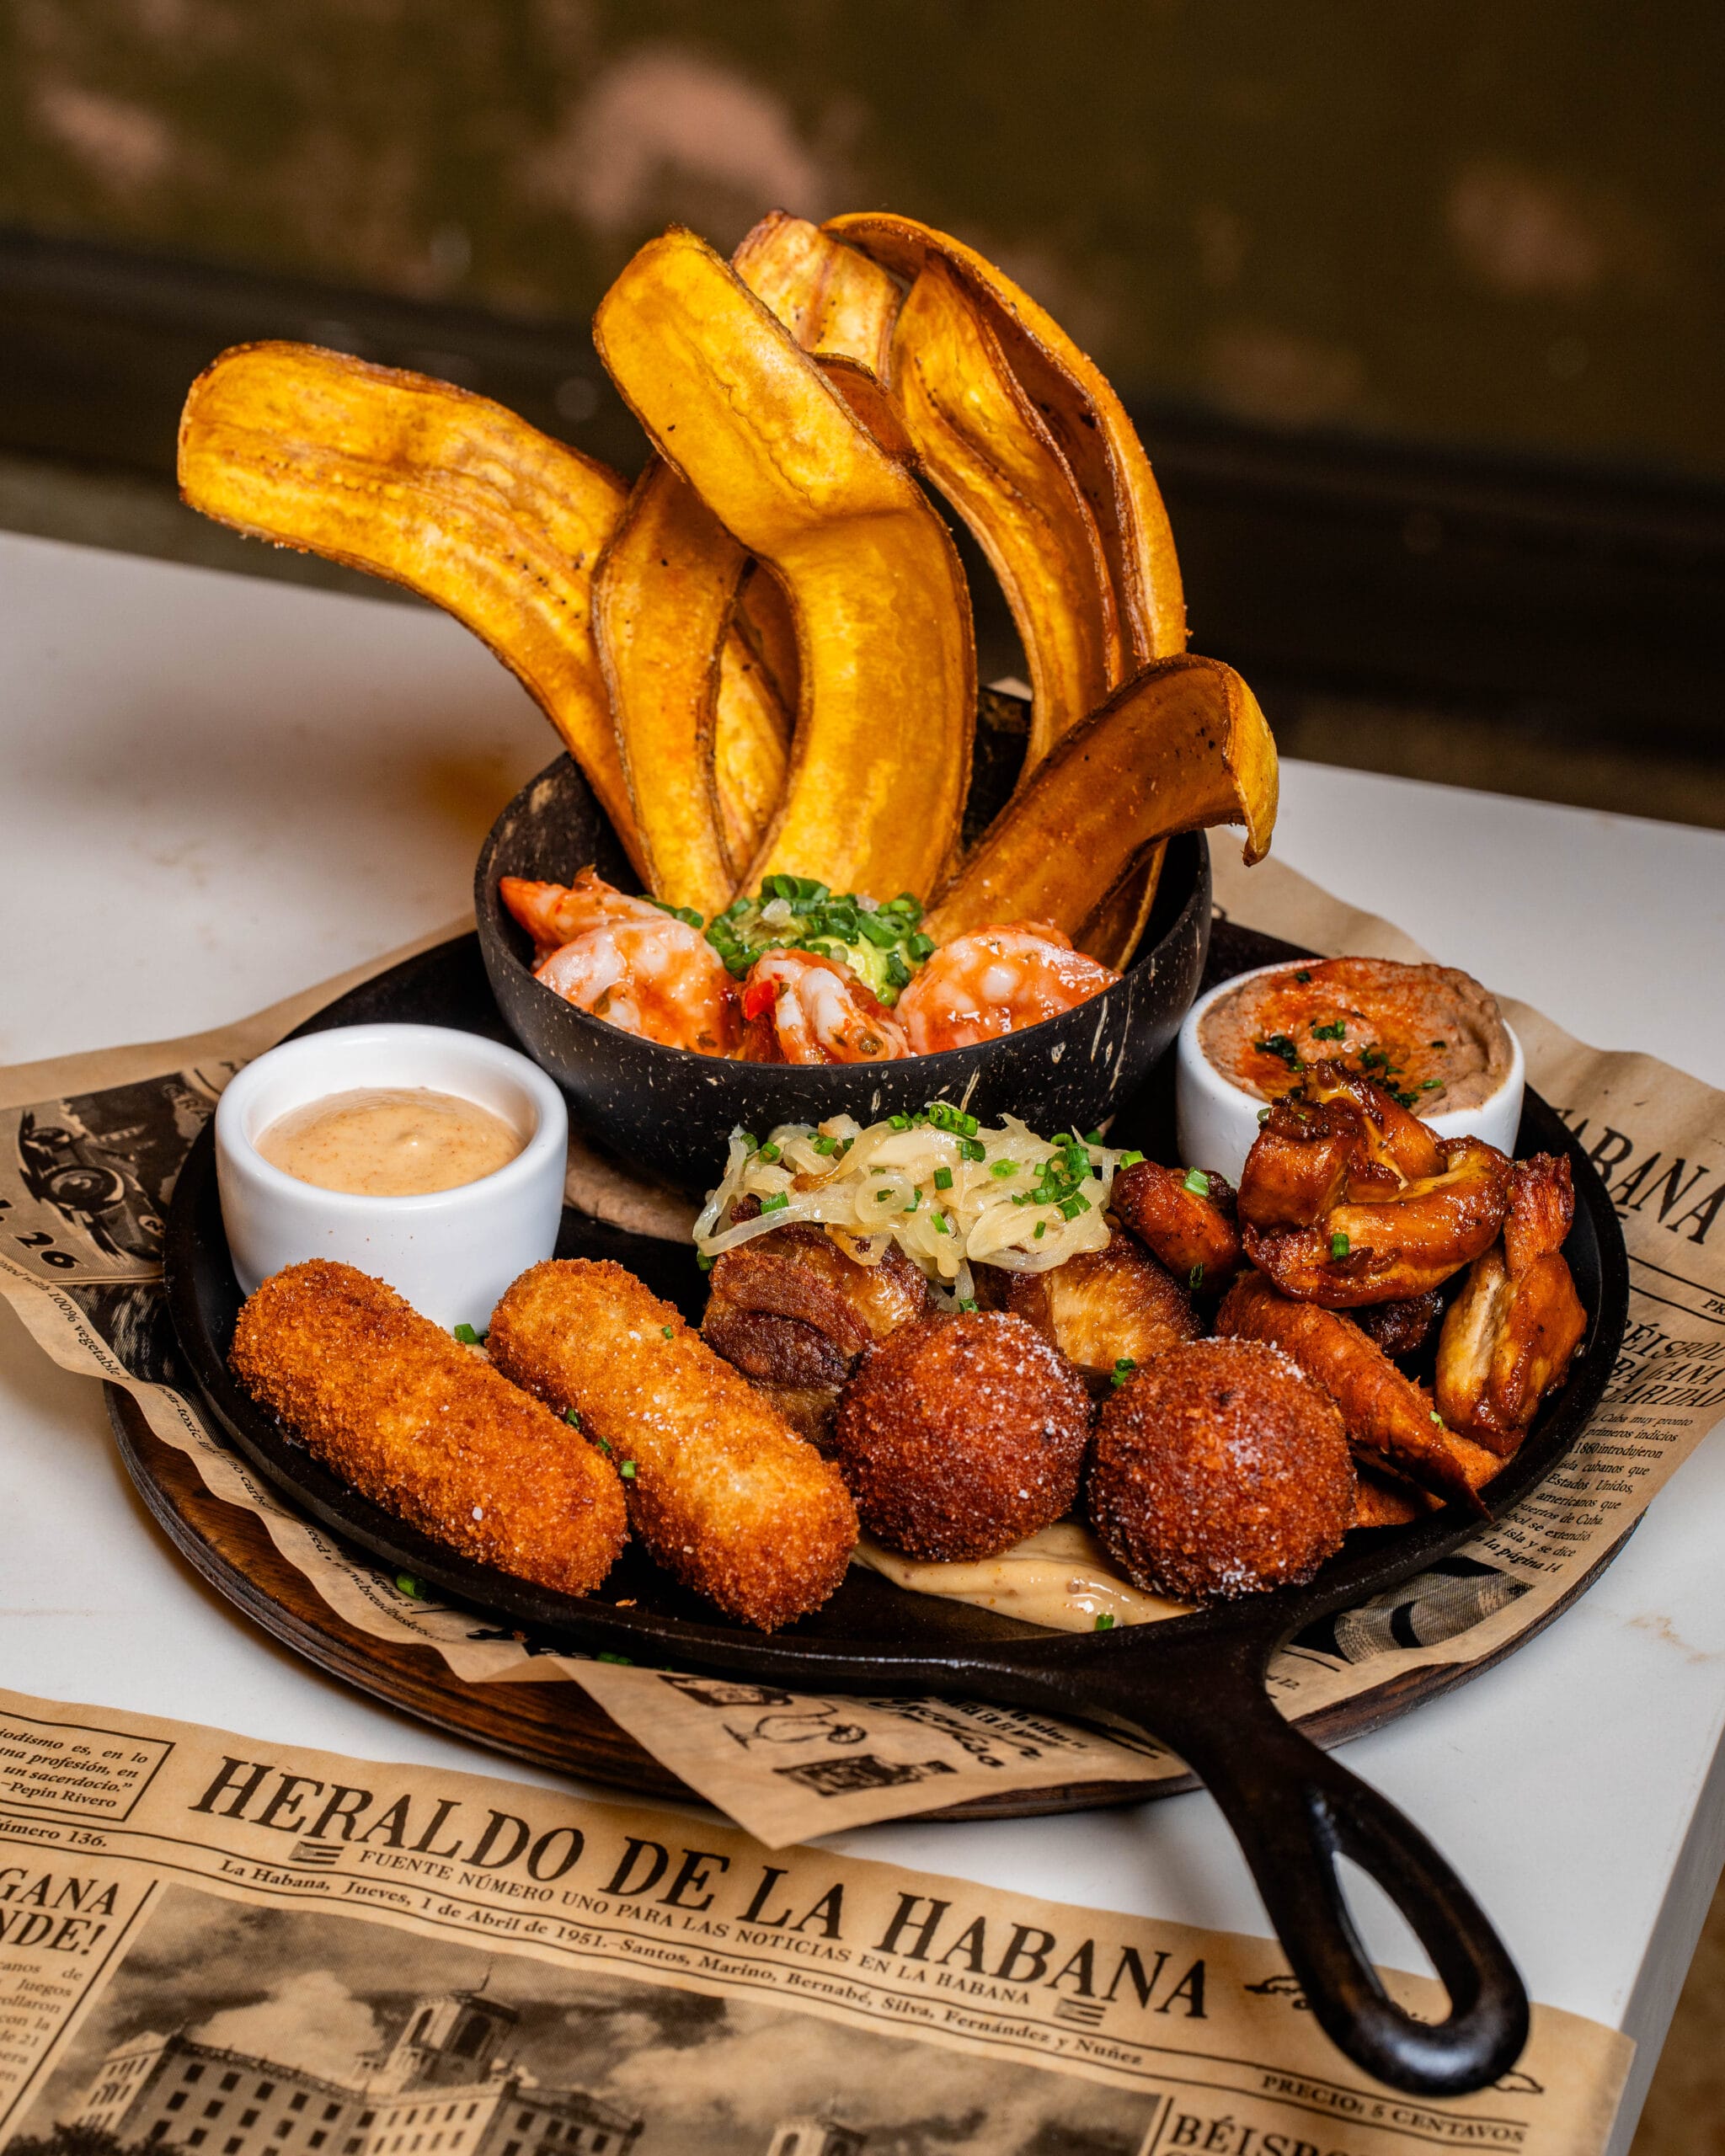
(450, 1252)
(1215, 1120)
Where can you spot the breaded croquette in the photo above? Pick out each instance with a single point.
(960, 1436)
(425, 1427)
(1220, 1470)
(722, 1492)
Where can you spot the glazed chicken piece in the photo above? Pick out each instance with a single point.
(1104, 1309)
(792, 1311)
(1510, 1334)
(801, 1008)
(1391, 1420)
(1403, 1328)
(1348, 1199)
(1192, 1231)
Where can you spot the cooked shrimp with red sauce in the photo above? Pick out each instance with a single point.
(802, 1009)
(995, 981)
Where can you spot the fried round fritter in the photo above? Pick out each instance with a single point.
(1105, 1307)
(1220, 1470)
(722, 1492)
(960, 1436)
(427, 1427)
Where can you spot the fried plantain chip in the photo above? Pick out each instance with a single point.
(983, 444)
(430, 487)
(881, 752)
(1111, 934)
(765, 624)
(1082, 412)
(833, 300)
(1181, 746)
(751, 749)
(663, 596)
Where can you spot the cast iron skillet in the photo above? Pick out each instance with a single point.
(675, 1109)
(1195, 1682)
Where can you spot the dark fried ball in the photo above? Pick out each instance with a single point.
(1220, 1470)
(960, 1436)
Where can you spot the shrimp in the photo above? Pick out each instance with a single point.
(555, 914)
(657, 977)
(804, 1009)
(997, 980)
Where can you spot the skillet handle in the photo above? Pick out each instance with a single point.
(1295, 1810)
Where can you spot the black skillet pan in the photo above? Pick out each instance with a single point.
(1195, 1682)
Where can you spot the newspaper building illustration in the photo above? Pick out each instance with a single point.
(444, 2087)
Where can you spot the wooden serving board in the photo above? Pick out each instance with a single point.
(555, 1724)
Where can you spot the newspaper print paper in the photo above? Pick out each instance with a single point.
(85, 1175)
(208, 1942)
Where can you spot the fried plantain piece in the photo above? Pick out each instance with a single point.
(663, 597)
(792, 1311)
(1220, 1471)
(960, 1436)
(881, 753)
(752, 747)
(427, 1428)
(726, 1496)
(982, 442)
(1190, 1228)
(834, 302)
(1082, 412)
(430, 487)
(1181, 746)
(1510, 1336)
(1389, 1417)
(1105, 1309)
(1114, 932)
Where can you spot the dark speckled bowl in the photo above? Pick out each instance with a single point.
(671, 1111)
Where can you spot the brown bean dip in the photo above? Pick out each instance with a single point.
(1429, 1035)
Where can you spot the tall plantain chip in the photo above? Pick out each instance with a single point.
(751, 749)
(662, 603)
(1082, 412)
(430, 487)
(887, 662)
(1183, 745)
(983, 443)
(834, 302)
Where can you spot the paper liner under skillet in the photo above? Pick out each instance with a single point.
(1195, 1682)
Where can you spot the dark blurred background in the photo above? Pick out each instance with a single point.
(1420, 308)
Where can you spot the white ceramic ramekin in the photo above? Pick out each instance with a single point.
(1216, 1121)
(450, 1253)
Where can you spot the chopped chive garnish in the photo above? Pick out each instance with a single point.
(939, 1219)
(916, 1198)
(1438, 1419)
(572, 1415)
(703, 1261)
(1302, 976)
(750, 1141)
(1072, 1207)
(1041, 1230)
(768, 1153)
(467, 1336)
(1129, 1160)
(1003, 1167)
(627, 1470)
(1279, 1044)
(1105, 1622)
(624, 1661)
(1124, 1368)
(604, 1445)
(968, 1305)
(1092, 1138)
(1334, 1032)
(1338, 1245)
(898, 1122)
(1195, 1279)
(775, 1204)
(1431, 1084)
(665, 1329)
(881, 1196)
(824, 1144)
(942, 1178)
(1198, 1183)
(408, 1584)
(920, 945)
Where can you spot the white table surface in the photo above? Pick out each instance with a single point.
(219, 790)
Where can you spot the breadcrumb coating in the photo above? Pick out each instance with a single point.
(960, 1436)
(722, 1492)
(1220, 1470)
(426, 1428)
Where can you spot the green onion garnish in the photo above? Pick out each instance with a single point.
(1129, 1160)
(1003, 1168)
(467, 1336)
(572, 1416)
(627, 1470)
(942, 1178)
(775, 1204)
(1338, 1245)
(1195, 1279)
(408, 1584)
(1124, 1368)
(1198, 1183)
(1105, 1623)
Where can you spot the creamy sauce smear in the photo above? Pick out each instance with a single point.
(1060, 1577)
(384, 1141)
